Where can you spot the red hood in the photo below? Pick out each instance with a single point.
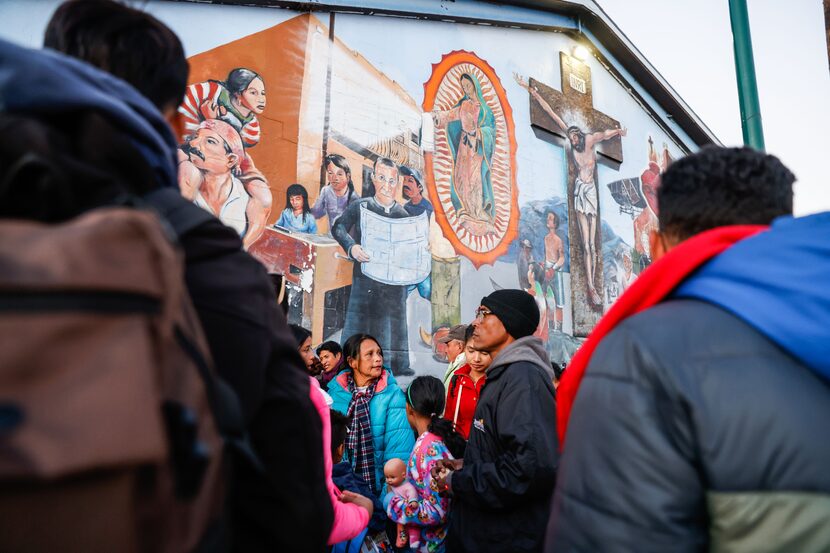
(650, 288)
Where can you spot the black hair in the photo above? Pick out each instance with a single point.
(385, 161)
(297, 190)
(426, 395)
(557, 369)
(340, 162)
(552, 212)
(579, 146)
(407, 172)
(538, 272)
(300, 334)
(239, 79)
(468, 333)
(339, 427)
(330, 346)
(55, 168)
(126, 42)
(723, 186)
(469, 78)
(351, 349)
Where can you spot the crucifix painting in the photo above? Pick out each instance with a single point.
(569, 117)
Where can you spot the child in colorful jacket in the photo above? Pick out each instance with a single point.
(437, 440)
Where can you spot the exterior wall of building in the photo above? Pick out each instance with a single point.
(541, 169)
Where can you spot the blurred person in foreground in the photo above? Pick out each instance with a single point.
(695, 416)
(352, 510)
(249, 340)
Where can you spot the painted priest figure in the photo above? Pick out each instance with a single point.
(377, 304)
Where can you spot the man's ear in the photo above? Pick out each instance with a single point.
(659, 244)
(233, 161)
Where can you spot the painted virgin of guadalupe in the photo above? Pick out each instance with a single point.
(471, 133)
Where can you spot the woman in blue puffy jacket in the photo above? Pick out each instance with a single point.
(368, 393)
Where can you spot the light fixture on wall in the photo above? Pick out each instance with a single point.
(580, 52)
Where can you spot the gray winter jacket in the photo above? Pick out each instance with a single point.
(713, 438)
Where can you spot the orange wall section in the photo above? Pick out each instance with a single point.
(278, 54)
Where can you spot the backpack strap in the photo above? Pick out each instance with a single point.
(224, 405)
(182, 217)
(167, 202)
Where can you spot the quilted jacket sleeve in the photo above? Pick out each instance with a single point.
(628, 478)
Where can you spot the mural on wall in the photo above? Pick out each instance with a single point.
(389, 249)
(540, 256)
(472, 168)
(586, 132)
(543, 267)
(542, 259)
(637, 197)
(618, 269)
(386, 196)
(215, 170)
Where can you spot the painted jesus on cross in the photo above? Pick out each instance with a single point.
(586, 202)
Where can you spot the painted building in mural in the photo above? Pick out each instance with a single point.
(395, 170)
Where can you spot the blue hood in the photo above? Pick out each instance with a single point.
(44, 82)
(779, 283)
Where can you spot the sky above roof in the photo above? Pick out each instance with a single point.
(690, 44)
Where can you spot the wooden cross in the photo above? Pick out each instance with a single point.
(575, 107)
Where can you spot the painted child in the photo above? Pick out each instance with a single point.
(297, 214)
(335, 196)
(395, 472)
(436, 441)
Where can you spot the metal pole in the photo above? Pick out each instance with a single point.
(751, 125)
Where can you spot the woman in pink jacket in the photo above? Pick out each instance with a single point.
(351, 511)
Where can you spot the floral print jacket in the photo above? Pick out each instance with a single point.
(431, 511)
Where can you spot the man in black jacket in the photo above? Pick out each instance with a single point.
(283, 504)
(501, 490)
(701, 422)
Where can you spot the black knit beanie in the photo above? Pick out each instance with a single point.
(516, 309)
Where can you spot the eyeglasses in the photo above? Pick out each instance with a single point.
(481, 312)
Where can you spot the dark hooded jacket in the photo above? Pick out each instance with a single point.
(344, 477)
(501, 496)
(702, 423)
(279, 503)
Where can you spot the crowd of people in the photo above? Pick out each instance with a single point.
(423, 452)
(695, 416)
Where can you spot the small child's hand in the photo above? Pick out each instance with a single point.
(357, 499)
